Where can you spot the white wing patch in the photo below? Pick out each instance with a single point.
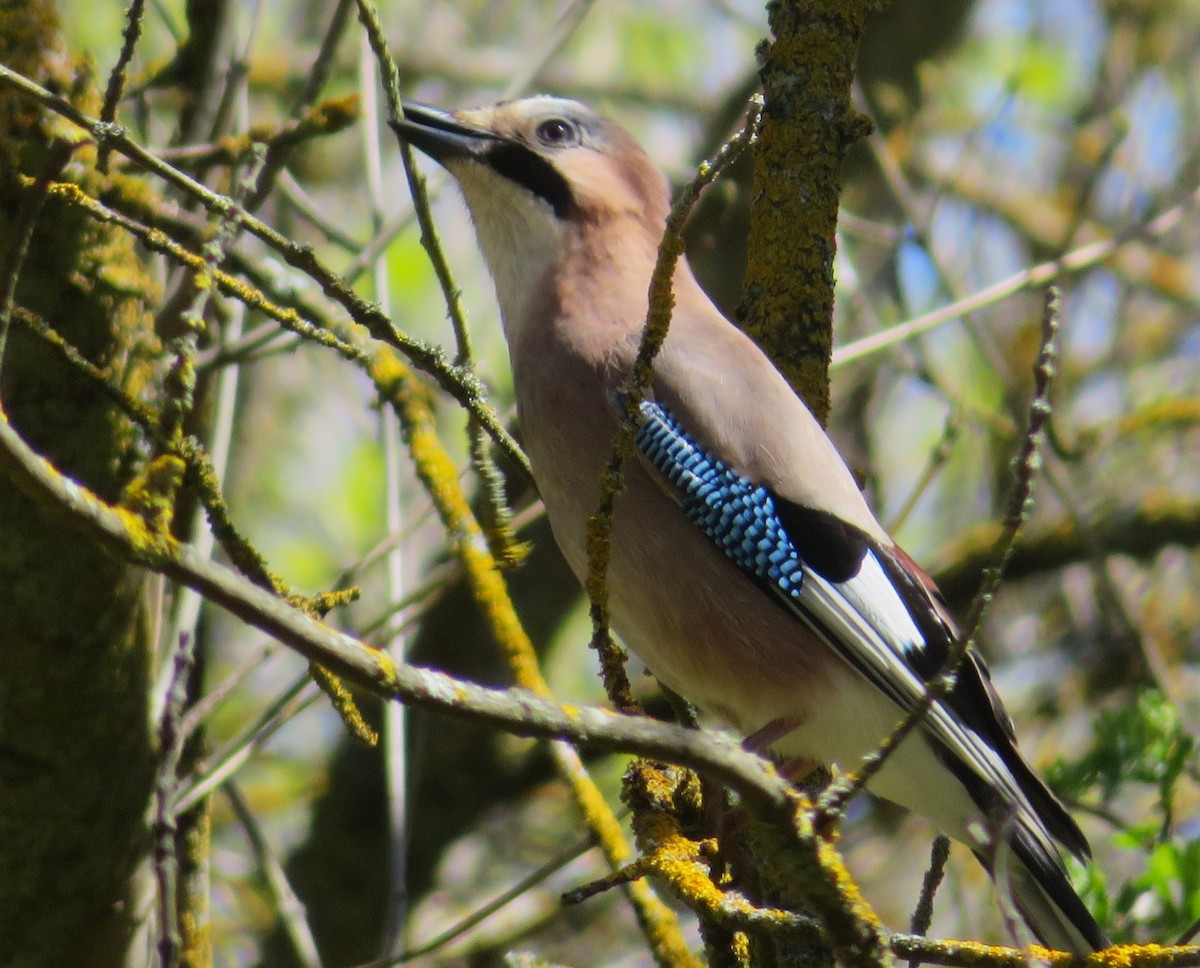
(866, 621)
(871, 595)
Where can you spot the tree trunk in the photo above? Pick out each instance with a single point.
(76, 747)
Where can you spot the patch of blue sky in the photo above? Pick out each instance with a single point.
(1147, 163)
(1080, 28)
(976, 248)
(1189, 343)
(1034, 63)
(1013, 132)
(1100, 398)
(1015, 141)
(1074, 29)
(1090, 319)
(1155, 130)
(918, 276)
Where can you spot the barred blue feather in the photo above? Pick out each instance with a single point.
(738, 516)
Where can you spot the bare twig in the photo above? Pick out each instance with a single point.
(322, 66)
(179, 383)
(234, 756)
(134, 15)
(485, 911)
(214, 696)
(325, 335)
(1083, 257)
(923, 913)
(135, 410)
(20, 232)
(564, 27)
(461, 384)
(395, 718)
(938, 457)
(170, 740)
(661, 302)
(287, 903)
(1020, 506)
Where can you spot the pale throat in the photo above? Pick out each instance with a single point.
(518, 232)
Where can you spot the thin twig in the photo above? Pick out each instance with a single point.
(938, 458)
(294, 194)
(170, 740)
(325, 335)
(1019, 507)
(485, 911)
(177, 34)
(1034, 277)
(134, 409)
(661, 303)
(390, 78)
(238, 751)
(180, 381)
(20, 232)
(214, 696)
(394, 718)
(237, 70)
(461, 384)
(287, 904)
(208, 469)
(134, 15)
(499, 67)
(1190, 933)
(923, 913)
(563, 28)
(322, 66)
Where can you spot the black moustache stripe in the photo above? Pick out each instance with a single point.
(533, 172)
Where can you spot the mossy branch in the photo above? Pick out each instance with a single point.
(808, 124)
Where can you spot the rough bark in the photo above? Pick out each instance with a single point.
(808, 124)
(76, 750)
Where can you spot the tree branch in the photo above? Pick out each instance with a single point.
(808, 123)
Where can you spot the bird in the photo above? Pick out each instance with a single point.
(746, 568)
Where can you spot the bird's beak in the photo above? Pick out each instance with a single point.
(440, 135)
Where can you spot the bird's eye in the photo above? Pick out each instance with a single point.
(557, 132)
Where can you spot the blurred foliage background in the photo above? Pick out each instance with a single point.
(1009, 134)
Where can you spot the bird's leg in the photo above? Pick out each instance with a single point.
(762, 739)
(793, 769)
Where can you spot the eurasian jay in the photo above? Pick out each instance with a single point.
(747, 570)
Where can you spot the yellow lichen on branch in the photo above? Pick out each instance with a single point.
(438, 473)
(808, 123)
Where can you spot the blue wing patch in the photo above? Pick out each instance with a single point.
(739, 517)
(854, 606)
(872, 612)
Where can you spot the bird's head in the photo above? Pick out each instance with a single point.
(542, 176)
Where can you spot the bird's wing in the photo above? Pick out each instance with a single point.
(861, 597)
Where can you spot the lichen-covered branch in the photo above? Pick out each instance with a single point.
(459, 383)
(808, 123)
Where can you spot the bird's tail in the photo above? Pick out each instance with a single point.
(1034, 877)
